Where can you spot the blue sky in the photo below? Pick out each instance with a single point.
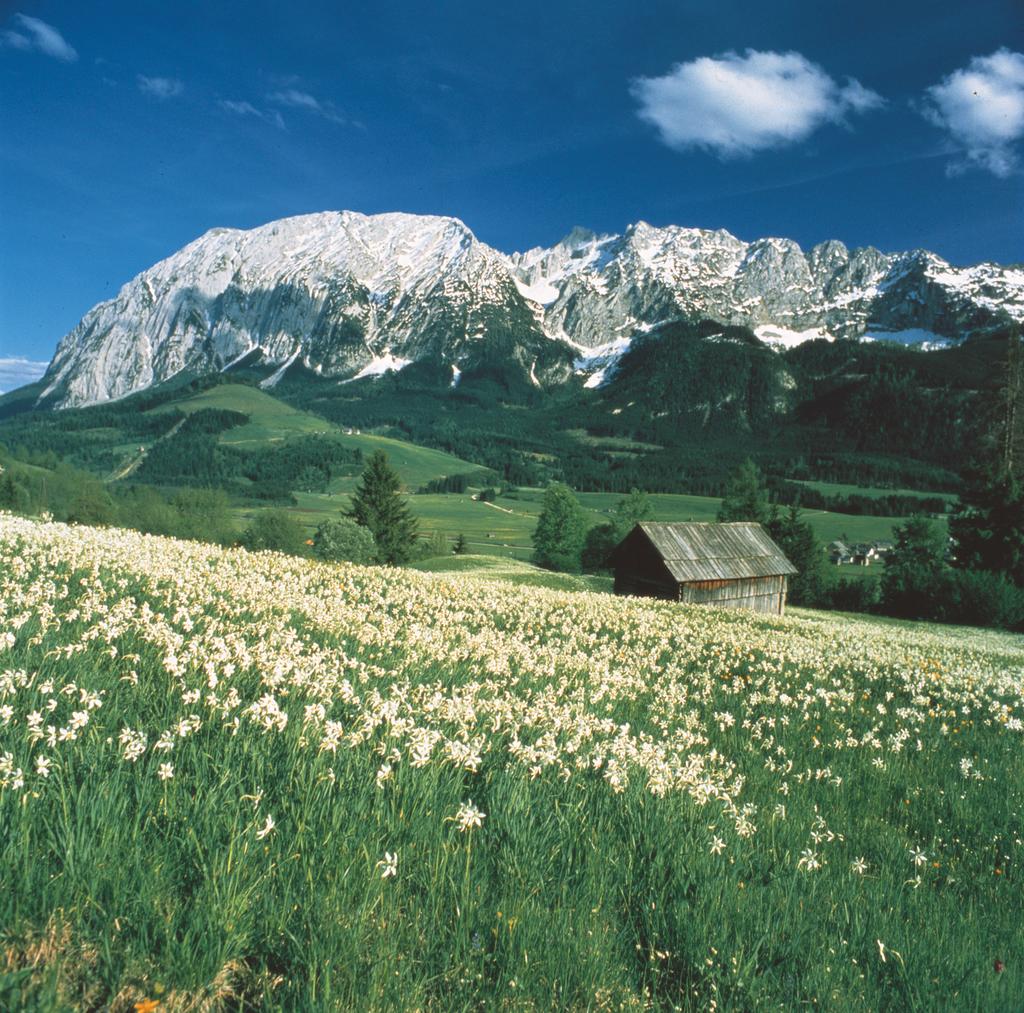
(130, 128)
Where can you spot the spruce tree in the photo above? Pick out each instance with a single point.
(988, 526)
(602, 540)
(377, 504)
(746, 498)
(917, 581)
(13, 495)
(801, 547)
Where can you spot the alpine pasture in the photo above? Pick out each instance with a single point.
(247, 781)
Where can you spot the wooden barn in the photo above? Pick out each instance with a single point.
(730, 565)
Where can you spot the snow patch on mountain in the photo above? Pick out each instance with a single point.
(275, 378)
(600, 364)
(386, 363)
(783, 337)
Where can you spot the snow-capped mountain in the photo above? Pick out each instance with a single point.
(344, 293)
(598, 289)
(349, 295)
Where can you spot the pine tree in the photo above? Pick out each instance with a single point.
(801, 547)
(988, 526)
(377, 504)
(917, 582)
(746, 498)
(561, 529)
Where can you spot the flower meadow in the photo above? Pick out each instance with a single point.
(248, 781)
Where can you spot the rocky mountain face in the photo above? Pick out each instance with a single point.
(596, 289)
(349, 295)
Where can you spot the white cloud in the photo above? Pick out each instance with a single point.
(33, 34)
(981, 106)
(248, 109)
(295, 99)
(735, 105)
(19, 371)
(160, 87)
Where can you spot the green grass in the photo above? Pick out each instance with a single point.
(873, 492)
(505, 527)
(272, 421)
(673, 801)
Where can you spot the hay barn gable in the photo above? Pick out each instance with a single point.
(730, 565)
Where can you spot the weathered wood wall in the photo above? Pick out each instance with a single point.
(762, 594)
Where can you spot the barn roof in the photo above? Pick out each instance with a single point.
(706, 551)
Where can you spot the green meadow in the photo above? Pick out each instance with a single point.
(234, 781)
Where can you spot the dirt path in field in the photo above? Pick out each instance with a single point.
(134, 463)
(494, 506)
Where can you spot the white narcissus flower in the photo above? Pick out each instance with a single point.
(808, 860)
(469, 816)
(268, 828)
(388, 865)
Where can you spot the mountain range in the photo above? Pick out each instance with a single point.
(349, 296)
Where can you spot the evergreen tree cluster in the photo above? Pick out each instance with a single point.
(377, 505)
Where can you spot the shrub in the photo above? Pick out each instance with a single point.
(598, 546)
(277, 531)
(92, 505)
(343, 541)
(561, 529)
(852, 595)
(980, 598)
(204, 515)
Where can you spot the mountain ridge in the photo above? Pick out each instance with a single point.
(349, 295)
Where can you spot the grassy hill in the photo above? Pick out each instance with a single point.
(112, 440)
(244, 781)
(272, 421)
